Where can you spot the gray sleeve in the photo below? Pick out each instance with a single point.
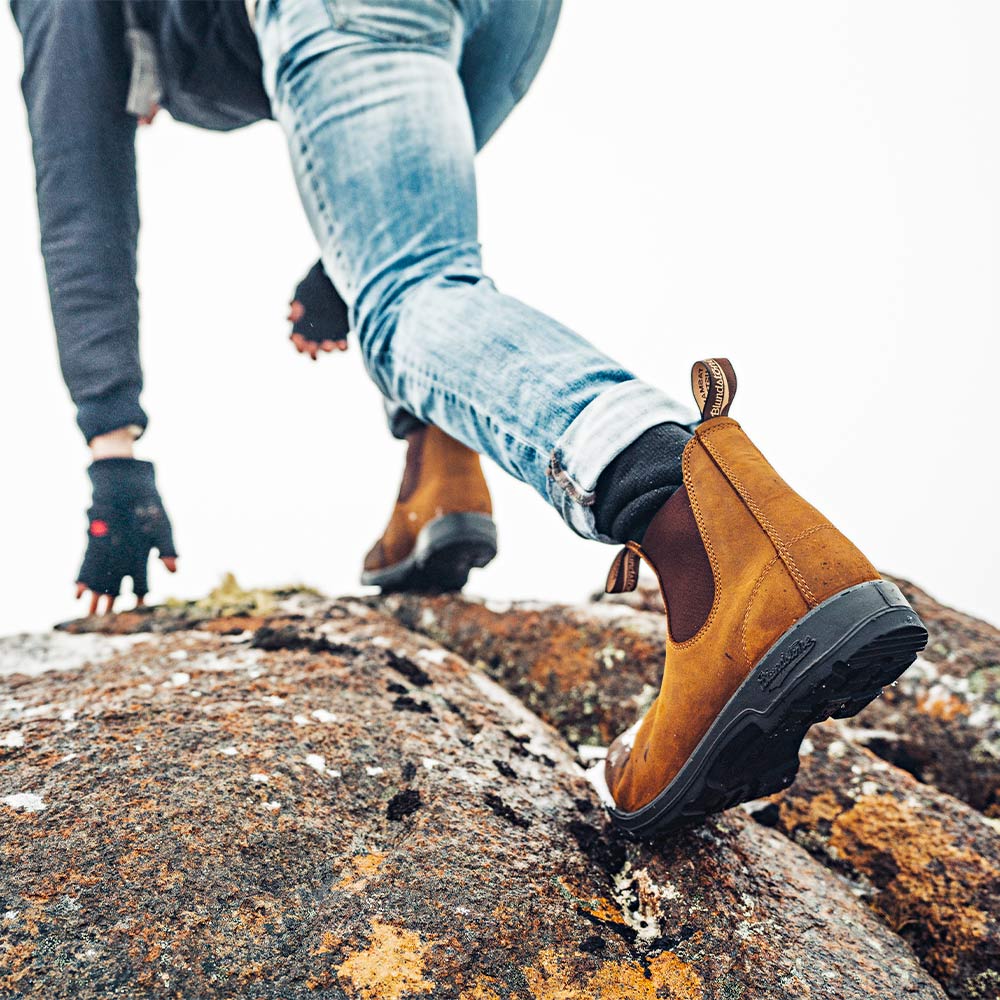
(75, 85)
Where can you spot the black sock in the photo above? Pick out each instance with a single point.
(639, 481)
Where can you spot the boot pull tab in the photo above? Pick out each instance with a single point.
(624, 573)
(713, 382)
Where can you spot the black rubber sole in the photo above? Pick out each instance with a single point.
(831, 663)
(447, 549)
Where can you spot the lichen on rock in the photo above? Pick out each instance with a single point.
(249, 810)
(925, 862)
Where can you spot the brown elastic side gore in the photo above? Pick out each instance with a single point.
(414, 461)
(674, 546)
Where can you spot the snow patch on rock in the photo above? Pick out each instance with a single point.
(595, 775)
(317, 762)
(25, 801)
(36, 654)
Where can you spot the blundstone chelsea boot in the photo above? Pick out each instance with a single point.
(442, 524)
(775, 621)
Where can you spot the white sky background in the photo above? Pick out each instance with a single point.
(810, 189)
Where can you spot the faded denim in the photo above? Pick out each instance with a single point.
(382, 145)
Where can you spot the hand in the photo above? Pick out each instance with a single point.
(126, 521)
(318, 315)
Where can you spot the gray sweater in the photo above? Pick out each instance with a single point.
(78, 70)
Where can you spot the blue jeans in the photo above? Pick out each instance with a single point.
(501, 57)
(382, 145)
(522, 31)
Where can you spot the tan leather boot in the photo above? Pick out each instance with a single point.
(775, 621)
(441, 526)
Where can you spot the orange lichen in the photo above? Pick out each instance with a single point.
(15, 959)
(809, 811)
(256, 912)
(597, 906)
(480, 991)
(666, 977)
(561, 651)
(941, 706)
(390, 968)
(361, 869)
(917, 864)
(232, 622)
(603, 909)
(327, 943)
(677, 977)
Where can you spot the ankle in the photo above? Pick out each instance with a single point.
(639, 481)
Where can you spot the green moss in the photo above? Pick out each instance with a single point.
(985, 986)
(229, 598)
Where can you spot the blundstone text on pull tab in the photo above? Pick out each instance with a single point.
(624, 573)
(713, 382)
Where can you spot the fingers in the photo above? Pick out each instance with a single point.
(304, 346)
(312, 347)
(140, 583)
(124, 552)
(95, 600)
(296, 310)
(94, 607)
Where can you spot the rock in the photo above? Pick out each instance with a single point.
(927, 863)
(645, 597)
(537, 651)
(941, 721)
(590, 671)
(211, 812)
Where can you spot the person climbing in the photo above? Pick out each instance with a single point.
(774, 619)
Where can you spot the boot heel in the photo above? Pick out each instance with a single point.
(449, 547)
(839, 656)
(832, 662)
(445, 551)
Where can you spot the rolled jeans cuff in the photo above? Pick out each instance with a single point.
(603, 429)
(401, 422)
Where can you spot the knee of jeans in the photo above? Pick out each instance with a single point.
(380, 302)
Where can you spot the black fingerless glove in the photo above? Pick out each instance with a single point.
(325, 312)
(127, 519)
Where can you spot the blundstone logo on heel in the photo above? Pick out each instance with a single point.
(773, 677)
